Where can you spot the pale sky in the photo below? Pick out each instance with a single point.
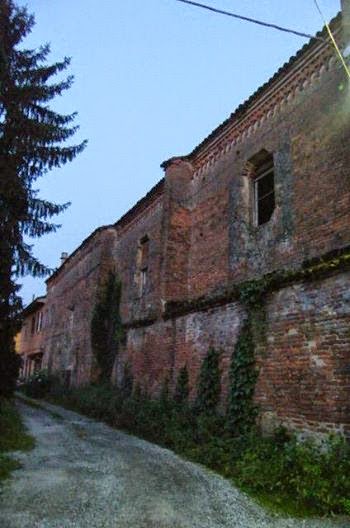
(152, 79)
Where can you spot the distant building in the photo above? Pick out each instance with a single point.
(30, 340)
(267, 192)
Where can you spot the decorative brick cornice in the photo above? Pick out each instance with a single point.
(277, 96)
(303, 69)
(143, 204)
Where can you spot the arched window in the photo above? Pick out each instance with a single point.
(261, 172)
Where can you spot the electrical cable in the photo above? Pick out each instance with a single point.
(252, 20)
(332, 39)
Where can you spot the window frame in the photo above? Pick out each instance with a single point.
(261, 172)
(143, 280)
(143, 258)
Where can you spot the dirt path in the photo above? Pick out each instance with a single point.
(83, 474)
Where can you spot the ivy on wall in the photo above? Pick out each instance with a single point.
(107, 331)
(252, 290)
(241, 410)
(182, 390)
(209, 383)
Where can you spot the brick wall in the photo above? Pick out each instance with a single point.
(202, 239)
(137, 303)
(30, 340)
(71, 297)
(210, 242)
(303, 358)
(305, 366)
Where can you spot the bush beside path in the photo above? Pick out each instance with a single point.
(83, 473)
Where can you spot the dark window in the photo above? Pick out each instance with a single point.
(39, 322)
(144, 256)
(32, 330)
(37, 362)
(264, 192)
(144, 251)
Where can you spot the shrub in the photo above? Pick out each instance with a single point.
(314, 478)
(38, 385)
(182, 387)
(292, 476)
(209, 385)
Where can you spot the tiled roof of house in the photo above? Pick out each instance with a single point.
(33, 306)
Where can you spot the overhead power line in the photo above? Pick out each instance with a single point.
(331, 36)
(247, 19)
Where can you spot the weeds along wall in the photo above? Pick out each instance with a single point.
(299, 374)
(299, 368)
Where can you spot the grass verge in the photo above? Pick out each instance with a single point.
(13, 437)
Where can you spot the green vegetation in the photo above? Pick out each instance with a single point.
(31, 141)
(38, 384)
(182, 389)
(284, 474)
(241, 412)
(281, 472)
(298, 478)
(107, 331)
(12, 437)
(209, 385)
(255, 290)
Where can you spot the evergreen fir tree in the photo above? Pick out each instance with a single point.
(30, 144)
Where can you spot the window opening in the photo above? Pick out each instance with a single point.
(39, 321)
(144, 255)
(264, 192)
(32, 329)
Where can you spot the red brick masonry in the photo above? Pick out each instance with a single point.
(201, 238)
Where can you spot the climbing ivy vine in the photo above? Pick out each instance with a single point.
(181, 392)
(242, 411)
(209, 383)
(106, 327)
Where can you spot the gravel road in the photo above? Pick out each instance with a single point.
(84, 474)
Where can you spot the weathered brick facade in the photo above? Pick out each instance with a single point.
(31, 339)
(71, 296)
(195, 236)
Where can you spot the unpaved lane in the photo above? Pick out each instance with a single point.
(83, 474)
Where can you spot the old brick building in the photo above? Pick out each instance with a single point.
(30, 340)
(267, 191)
